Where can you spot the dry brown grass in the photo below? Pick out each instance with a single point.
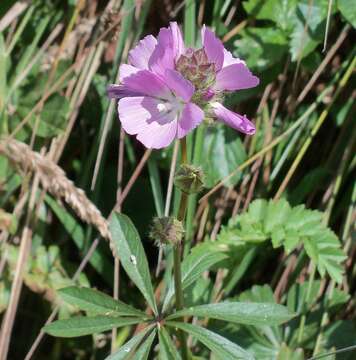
(54, 180)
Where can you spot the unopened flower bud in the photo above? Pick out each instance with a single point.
(167, 230)
(189, 179)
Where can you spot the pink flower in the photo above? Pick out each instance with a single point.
(166, 90)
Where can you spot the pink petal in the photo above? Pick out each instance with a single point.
(163, 55)
(127, 70)
(191, 117)
(157, 136)
(137, 113)
(235, 77)
(177, 38)
(144, 82)
(213, 47)
(178, 84)
(234, 120)
(141, 53)
(229, 59)
(120, 91)
(133, 115)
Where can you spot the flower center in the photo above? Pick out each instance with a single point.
(164, 107)
(194, 65)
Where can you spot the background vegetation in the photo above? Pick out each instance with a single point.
(282, 217)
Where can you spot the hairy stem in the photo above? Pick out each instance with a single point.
(177, 253)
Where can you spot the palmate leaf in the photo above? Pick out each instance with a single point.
(288, 227)
(82, 325)
(198, 261)
(239, 312)
(127, 350)
(97, 302)
(133, 257)
(222, 348)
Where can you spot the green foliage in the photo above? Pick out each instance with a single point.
(128, 350)
(289, 227)
(80, 326)
(198, 261)
(279, 11)
(132, 255)
(220, 346)
(45, 274)
(167, 349)
(263, 47)
(239, 312)
(97, 303)
(348, 10)
(272, 37)
(223, 153)
(144, 350)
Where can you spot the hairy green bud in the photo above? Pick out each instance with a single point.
(189, 179)
(166, 230)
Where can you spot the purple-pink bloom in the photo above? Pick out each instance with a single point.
(167, 90)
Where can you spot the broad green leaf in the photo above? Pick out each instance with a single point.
(132, 255)
(144, 350)
(279, 11)
(167, 349)
(81, 325)
(261, 47)
(239, 312)
(348, 10)
(223, 348)
(224, 152)
(97, 302)
(128, 349)
(309, 27)
(198, 261)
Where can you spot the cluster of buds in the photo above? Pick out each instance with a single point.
(167, 230)
(194, 65)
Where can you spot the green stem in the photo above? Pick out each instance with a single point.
(177, 253)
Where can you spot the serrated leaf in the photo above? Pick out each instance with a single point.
(289, 226)
(279, 11)
(81, 325)
(132, 256)
(222, 348)
(276, 213)
(239, 312)
(198, 261)
(127, 350)
(167, 349)
(97, 302)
